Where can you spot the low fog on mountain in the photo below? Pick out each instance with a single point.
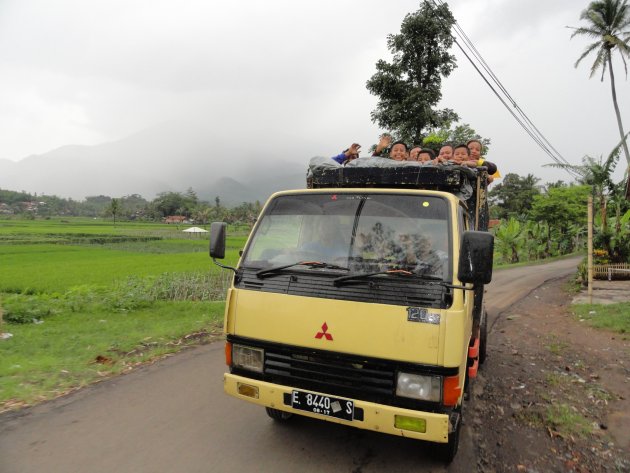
(172, 156)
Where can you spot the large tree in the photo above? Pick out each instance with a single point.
(175, 203)
(514, 196)
(409, 87)
(561, 208)
(608, 23)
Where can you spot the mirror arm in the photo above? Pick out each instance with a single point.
(453, 286)
(223, 266)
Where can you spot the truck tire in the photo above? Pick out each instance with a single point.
(278, 415)
(446, 451)
(483, 338)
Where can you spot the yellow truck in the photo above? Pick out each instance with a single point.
(360, 300)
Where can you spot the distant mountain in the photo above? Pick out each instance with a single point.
(169, 157)
(233, 192)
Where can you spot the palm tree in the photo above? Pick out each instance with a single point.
(114, 209)
(609, 24)
(598, 174)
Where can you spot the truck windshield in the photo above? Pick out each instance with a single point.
(368, 232)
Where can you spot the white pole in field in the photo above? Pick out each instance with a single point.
(590, 249)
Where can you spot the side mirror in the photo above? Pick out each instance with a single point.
(475, 258)
(218, 232)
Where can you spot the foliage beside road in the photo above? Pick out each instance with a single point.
(538, 222)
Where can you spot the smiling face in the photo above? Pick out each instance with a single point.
(413, 154)
(475, 149)
(424, 157)
(398, 152)
(446, 152)
(461, 154)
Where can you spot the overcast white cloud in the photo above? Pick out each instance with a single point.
(285, 74)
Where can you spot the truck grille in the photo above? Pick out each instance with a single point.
(325, 372)
(338, 374)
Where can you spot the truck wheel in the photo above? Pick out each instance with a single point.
(483, 338)
(278, 415)
(446, 451)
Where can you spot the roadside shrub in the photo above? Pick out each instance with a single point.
(125, 302)
(22, 309)
(80, 298)
(582, 273)
(134, 293)
(188, 286)
(196, 286)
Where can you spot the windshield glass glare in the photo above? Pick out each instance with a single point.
(370, 232)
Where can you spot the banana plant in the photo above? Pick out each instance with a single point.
(510, 238)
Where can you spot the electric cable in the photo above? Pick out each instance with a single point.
(519, 115)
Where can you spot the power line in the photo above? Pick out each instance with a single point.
(504, 90)
(516, 117)
(525, 123)
(504, 96)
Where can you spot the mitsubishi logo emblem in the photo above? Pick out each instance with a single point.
(324, 333)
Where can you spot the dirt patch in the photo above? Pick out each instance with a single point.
(605, 292)
(554, 394)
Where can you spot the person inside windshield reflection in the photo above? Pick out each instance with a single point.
(416, 253)
(327, 243)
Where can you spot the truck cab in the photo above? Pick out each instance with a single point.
(360, 300)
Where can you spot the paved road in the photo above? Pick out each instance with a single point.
(173, 417)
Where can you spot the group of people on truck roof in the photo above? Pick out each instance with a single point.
(468, 154)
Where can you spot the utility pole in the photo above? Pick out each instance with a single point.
(589, 260)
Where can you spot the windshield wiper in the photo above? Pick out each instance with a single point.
(312, 264)
(393, 272)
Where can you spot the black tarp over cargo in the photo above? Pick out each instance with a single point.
(470, 185)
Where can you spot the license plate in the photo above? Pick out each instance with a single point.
(325, 405)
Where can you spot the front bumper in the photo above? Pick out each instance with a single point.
(376, 417)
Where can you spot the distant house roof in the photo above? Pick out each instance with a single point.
(494, 223)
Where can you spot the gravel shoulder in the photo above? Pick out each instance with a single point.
(554, 394)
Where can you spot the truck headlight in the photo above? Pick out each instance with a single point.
(417, 386)
(248, 358)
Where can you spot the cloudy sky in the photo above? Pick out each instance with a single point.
(286, 75)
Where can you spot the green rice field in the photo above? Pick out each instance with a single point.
(84, 299)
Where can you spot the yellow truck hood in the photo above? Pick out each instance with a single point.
(374, 330)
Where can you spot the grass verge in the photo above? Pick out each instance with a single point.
(566, 420)
(72, 349)
(614, 317)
